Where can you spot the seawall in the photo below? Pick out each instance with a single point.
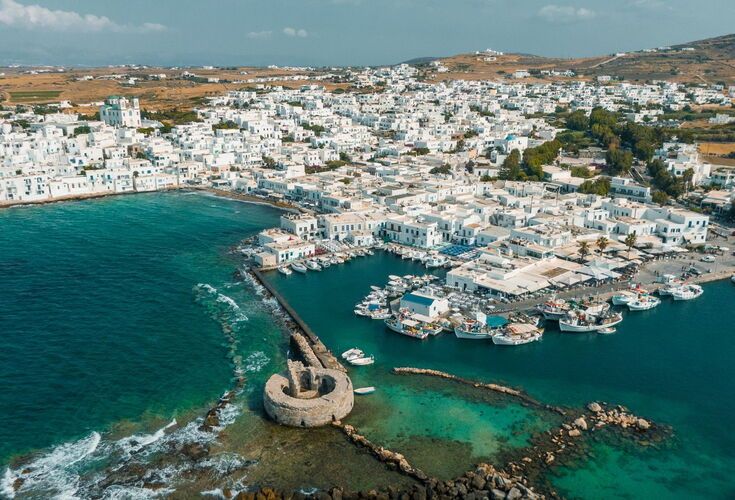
(316, 346)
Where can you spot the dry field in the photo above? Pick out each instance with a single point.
(17, 87)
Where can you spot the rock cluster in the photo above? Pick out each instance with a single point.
(566, 439)
(211, 419)
(484, 483)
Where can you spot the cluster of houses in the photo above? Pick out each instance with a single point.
(411, 162)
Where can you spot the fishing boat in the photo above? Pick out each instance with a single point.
(353, 353)
(312, 265)
(408, 327)
(688, 292)
(285, 270)
(517, 334)
(362, 391)
(480, 328)
(644, 303)
(299, 267)
(432, 328)
(669, 290)
(363, 361)
(581, 322)
(623, 298)
(554, 309)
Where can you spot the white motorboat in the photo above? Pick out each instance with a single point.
(362, 391)
(353, 353)
(688, 292)
(732, 278)
(312, 264)
(364, 361)
(285, 270)
(362, 311)
(644, 303)
(299, 267)
(517, 334)
(607, 330)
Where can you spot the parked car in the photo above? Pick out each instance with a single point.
(707, 258)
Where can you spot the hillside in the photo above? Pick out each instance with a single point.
(705, 61)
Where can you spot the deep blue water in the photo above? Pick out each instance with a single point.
(101, 320)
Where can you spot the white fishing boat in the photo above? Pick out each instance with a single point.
(299, 267)
(688, 292)
(475, 329)
(644, 303)
(408, 327)
(581, 322)
(362, 391)
(353, 353)
(285, 270)
(517, 334)
(669, 290)
(312, 265)
(623, 298)
(361, 311)
(364, 361)
(554, 309)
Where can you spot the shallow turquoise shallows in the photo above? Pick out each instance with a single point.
(101, 319)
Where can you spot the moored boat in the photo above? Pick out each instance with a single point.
(623, 298)
(285, 270)
(607, 330)
(363, 361)
(313, 265)
(299, 267)
(408, 327)
(353, 353)
(362, 391)
(554, 309)
(688, 292)
(517, 334)
(644, 303)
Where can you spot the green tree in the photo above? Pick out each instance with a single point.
(583, 249)
(630, 241)
(578, 121)
(619, 161)
(511, 167)
(660, 197)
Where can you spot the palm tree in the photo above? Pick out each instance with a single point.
(583, 250)
(630, 241)
(602, 243)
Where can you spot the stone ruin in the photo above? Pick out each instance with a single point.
(308, 396)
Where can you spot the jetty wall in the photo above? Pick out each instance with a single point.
(316, 347)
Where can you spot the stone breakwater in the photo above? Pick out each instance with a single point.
(302, 337)
(567, 441)
(484, 482)
(480, 385)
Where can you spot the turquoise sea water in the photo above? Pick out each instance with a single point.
(101, 316)
(672, 364)
(112, 321)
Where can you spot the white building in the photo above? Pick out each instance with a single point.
(121, 112)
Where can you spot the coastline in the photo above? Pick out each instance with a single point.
(219, 193)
